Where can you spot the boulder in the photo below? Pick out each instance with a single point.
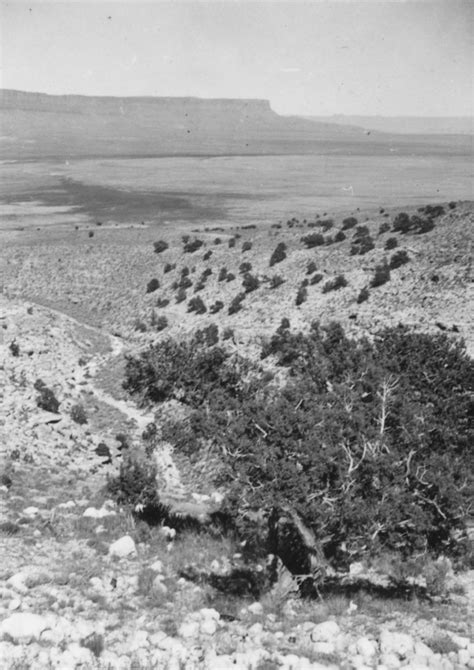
(123, 547)
(400, 644)
(23, 627)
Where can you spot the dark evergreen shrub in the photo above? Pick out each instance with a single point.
(315, 279)
(279, 254)
(329, 240)
(245, 267)
(181, 295)
(207, 255)
(401, 223)
(14, 348)
(363, 295)
(199, 286)
(160, 246)
(236, 304)
(452, 204)
(246, 246)
(384, 228)
(326, 224)
(398, 259)
(334, 284)
(162, 302)
(301, 295)
(311, 267)
(194, 245)
(228, 334)
(420, 226)
(185, 282)
(276, 281)
(349, 222)
(231, 242)
(434, 211)
(185, 271)
(217, 240)
(139, 325)
(230, 277)
(78, 414)
(313, 240)
(46, 399)
(161, 323)
(361, 231)
(391, 243)
(222, 274)
(152, 285)
(361, 245)
(381, 274)
(216, 307)
(250, 282)
(168, 267)
(208, 335)
(340, 237)
(197, 305)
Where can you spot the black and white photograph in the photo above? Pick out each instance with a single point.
(236, 335)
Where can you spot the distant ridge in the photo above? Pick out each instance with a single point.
(39, 125)
(420, 125)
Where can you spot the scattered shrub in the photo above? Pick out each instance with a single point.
(401, 223)
(340, 236)
(433, 211)
(391, 243)
(245, 267)
(334, 284)
(91, 233)
(14, 348)
(161, 323)
(361, 231)
(452, 204)
(384, 228)
(349, 222)
(191, 247)
(199, 286)
(315, 279)
(301, 295)
(311, 267)
(381, 274)
(362, 244)
(46, 399)
(162, 302)
(228, 334)
(217, 240)
(168, 267)
(329, 240)
(160, 246)
(135, 484)
(139, 325)
(279, 254)
(181, 295)
(231, 242)
(222, 276)
(230, 277)
(152, 285)
(207, 255)
(216, 307)
(250, 282)
(78, 414)
(236, 304)
(398, 259)
(326, 224)
(197, 305)
(276, 281)
(313, 240)
(246, 246)
(420, 226)
(363, 295)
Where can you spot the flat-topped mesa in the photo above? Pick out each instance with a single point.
(124, 106)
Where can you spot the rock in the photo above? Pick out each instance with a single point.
(93, 513)
(400, 644)
(14, 604)
(123, 547)
(159, 587)
(31, 512)
(325, 632)
(461, 642)
(422, 650)
(208, 626)
(328, 648)
(356, 568)
(390, 660)
(255, 608)
(366, 648)
(189, 629)
(17, 582)
(463, 656)
(139, 640)
(23, 627)
(157, 566)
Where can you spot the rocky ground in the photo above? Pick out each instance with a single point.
(83, 585)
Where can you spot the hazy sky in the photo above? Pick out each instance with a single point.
(388, 58)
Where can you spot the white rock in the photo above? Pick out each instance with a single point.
(67, 505)
(461, 642)
(157, 566)
(23, 627)
(94, 513)
(123, 547)
(189, 629)
(463, 656)
(159, 587)
(325, 632)
(209, 613)
(390, 660)
(366, 647)
(400, 644)
(14, 604)
(255, 608)
(208, 626)
(356, 568)
(139, 640)
(422, 650)
(31, 511)
(324, 648)
(470, 648)
(17, 582)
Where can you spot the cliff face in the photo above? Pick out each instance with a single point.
(36, 125)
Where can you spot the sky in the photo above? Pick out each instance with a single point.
(307, 58)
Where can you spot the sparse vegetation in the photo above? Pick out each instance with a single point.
(14, 348)
(160, 246)
(334, 284)
(279, 254)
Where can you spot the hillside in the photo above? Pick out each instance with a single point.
(412, 125)
(85, 582)
(36, 125)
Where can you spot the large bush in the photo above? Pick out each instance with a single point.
(279, 254)
(367, 440)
